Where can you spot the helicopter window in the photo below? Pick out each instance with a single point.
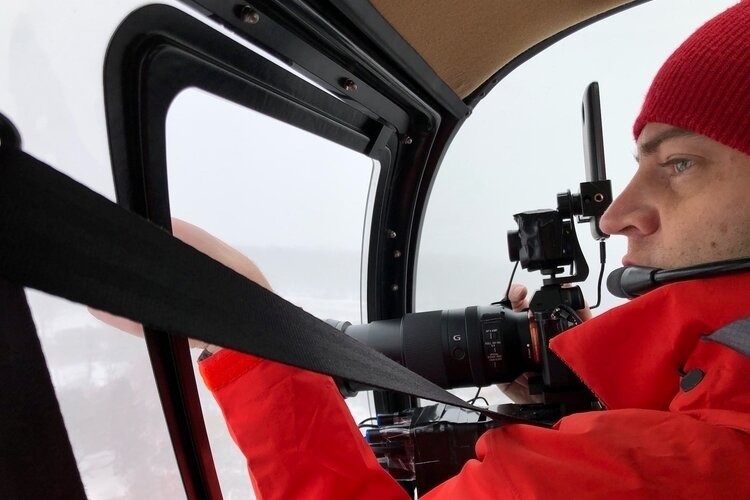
(292, 201)
(52, 90)
(523, 144)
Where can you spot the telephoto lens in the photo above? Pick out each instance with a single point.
(471, 347)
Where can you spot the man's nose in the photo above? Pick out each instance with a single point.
(632, 213)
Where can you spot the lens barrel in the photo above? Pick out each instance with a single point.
(471, 347)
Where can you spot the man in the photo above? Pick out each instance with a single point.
(671, 367)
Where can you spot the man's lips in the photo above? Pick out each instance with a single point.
(630, 259)
(634, 256)
(627, 259)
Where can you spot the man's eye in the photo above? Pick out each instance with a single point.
(679, 165)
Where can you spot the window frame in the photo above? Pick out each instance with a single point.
(157, 52)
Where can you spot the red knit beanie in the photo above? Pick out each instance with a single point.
(704, 86)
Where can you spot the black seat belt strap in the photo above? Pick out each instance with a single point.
(36, 459)
(60, 237)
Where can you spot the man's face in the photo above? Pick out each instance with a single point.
(688, 203)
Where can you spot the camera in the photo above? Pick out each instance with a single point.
(481, 345)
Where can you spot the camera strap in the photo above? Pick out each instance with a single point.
(62, 238)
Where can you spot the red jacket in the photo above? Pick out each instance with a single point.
(672, 368)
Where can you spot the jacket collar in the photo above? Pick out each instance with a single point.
(631, 356)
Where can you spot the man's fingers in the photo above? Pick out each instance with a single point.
(517, 296)
(518, 300)
(218, 250)
(518, 390)
(118, 322)
(209, 245)
(585, 314)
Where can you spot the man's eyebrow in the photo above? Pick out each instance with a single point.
(653, 144)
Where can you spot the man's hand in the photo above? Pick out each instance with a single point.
(518, 293)
(518, 390)
(517, 296)
(207, 244)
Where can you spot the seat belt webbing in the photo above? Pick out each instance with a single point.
(36, 459)
(60, 237)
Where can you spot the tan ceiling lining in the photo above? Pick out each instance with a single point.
(466, 42)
